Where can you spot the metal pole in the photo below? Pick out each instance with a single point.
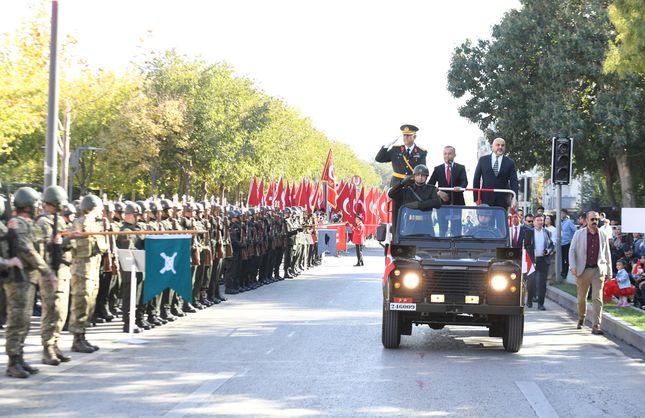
(52, 104)
(558, 233)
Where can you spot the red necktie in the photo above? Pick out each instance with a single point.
(448, 175)
(515, 237)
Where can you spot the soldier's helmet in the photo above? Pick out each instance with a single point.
(205, 204)
(131, 208)
(189, 207)
(69, 209)
(421, 169)
(119, 207)
(143, 205)
(287, 211)
(26, 198)
(154, 206)
(199, 207)
(233, 214)
(90, 202)
(165, 204)
(109, 207)
(251, 211)
(55, 195)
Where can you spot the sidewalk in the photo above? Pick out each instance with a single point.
(611, 325)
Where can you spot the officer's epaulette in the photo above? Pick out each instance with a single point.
(420, 149)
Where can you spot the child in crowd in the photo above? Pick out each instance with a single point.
(638, 275)
(620, 287)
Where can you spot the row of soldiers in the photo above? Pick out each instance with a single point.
(68, 252)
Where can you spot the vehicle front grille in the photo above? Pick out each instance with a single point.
(455, 285)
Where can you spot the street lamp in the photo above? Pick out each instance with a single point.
(74, 162)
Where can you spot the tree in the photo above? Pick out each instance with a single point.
(626, 53)
(541, 75)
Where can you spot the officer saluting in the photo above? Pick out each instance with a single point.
(403, 157)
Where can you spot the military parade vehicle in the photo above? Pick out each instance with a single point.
(439, 274)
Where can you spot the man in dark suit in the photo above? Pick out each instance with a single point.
(496, 171)
(450, 174)
(403, 157)
(539, 245)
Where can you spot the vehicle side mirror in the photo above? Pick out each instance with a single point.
(381, 232)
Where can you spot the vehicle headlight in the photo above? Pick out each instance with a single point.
(499, 282)
(411, 280)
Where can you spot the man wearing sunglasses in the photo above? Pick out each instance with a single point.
(590, 263)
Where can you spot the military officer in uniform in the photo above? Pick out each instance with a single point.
(86, 266)
(20, 286)
(55, 301)
(403, 157)
(414, 192)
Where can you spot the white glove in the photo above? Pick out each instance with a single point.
(389, 144)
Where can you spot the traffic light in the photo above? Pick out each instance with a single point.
(561, 161)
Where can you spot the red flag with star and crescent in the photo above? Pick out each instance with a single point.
(329, 175)
(389, 265)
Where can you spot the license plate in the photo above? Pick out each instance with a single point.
(403, 306)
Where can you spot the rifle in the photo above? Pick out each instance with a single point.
(56, 249)
(244, 254)
(208, 251)
(13, 244)
(107, 261)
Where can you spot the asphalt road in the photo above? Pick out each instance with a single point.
(312, 347)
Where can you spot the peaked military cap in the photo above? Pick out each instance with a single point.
(409, 129)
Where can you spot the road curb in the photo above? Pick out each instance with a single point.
(611, 325)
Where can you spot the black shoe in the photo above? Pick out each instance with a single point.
(595, 331)
(188, 308)
(143, 324)
(230, 292)
(287, 277)
(198, 305)
(357, 265)
(166, 315)
(529, 304)
(215, 301)
(541, 308)
(136, 329)
(31, 370)
(98, 320)
(154, 320)
(178, 312)
(580, 324)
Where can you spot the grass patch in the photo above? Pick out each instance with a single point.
(631, 316)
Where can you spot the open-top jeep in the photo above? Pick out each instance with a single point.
(439, 275)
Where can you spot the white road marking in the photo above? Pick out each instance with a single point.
(200, 396)
(536, 398)
(291, 334)
(269, 351)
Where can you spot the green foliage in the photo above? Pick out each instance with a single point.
(172, 125)
(541, 75)
(626, 53)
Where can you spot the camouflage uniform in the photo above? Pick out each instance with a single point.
(86, 265)
(55, 302)
(20, 288)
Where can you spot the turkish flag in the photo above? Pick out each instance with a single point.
(268, 200)
(260, 193)
(527, 264)
(252, 198)
(389, 265)
(382, 207)
(280, 195)
(359, 206)
(329, 176)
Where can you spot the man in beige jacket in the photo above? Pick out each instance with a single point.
(590, 262)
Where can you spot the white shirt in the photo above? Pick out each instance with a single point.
(540, 240)
(409, 150)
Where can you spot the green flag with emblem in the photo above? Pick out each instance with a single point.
(167, 265)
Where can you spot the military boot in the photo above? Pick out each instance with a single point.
(49, 356)
(79, 346)
(62, 357)
(14, 368)
(26, 367)
(92, 346)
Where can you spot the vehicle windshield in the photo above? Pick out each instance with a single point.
(453, 222)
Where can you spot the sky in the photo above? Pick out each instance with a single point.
(357, 69)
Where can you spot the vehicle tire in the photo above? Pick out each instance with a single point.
(437, 326)
(391, 329)
(513, 333)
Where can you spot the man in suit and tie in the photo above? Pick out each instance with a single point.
(590, 262)
(496, 171)
(539, 245)
(450, 174)
(403, 157)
